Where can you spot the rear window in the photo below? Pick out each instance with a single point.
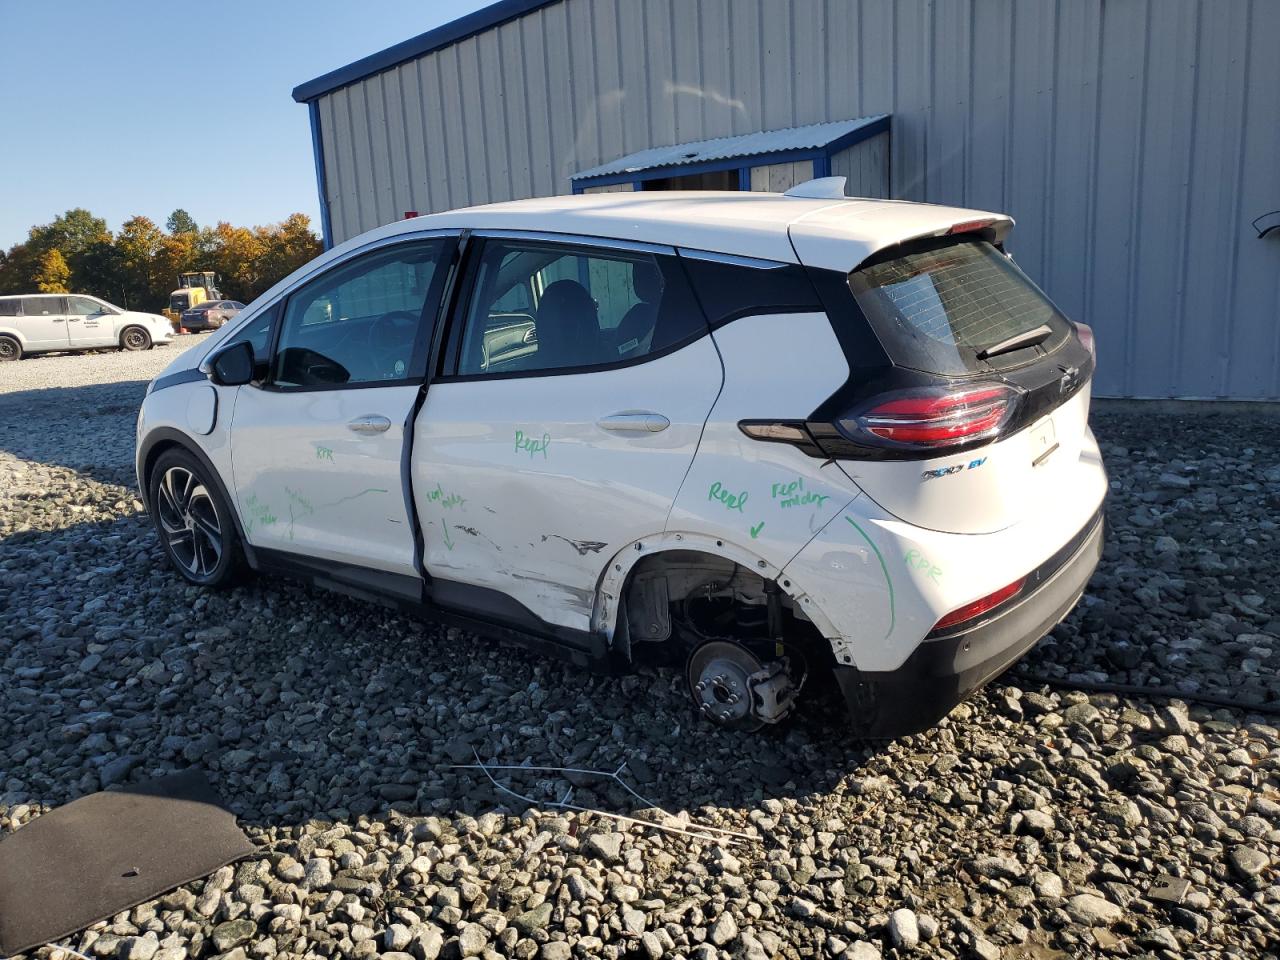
(11, 307)
(42, 306)
(939, 305)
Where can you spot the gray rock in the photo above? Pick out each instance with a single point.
(138, 948)
(724, 930)
(863, 950)
(606, 846)
(117, 770)
(555, 950)
(904, 929)
(1093, 910)
(472, 940)
(232, 934)
(1248, 862)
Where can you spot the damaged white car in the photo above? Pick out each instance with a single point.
(757, 434)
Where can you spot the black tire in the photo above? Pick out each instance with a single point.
(10, 349)
(193, 521)
(135, 338)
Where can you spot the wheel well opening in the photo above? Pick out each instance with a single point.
(675, 600)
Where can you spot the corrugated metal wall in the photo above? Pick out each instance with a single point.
(1133, 140)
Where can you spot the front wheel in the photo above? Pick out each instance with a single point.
(135, 338)
(10, 349)
(194, 523)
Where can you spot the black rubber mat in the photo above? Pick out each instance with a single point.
(110, 851)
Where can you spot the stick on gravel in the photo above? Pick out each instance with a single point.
(706, 834)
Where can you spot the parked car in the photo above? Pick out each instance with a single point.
(760, 435)
(209, 315)
(39, 322)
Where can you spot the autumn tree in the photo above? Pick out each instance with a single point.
(53, 273)
(139, 243)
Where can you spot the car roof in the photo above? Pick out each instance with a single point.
(839, 233)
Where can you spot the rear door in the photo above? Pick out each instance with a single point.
(534, 463)
(318, 446)
(44, 323)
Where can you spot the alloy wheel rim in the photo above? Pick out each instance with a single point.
(133, 338)
(189, 522)
(7, 349)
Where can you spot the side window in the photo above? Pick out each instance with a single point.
(542, 306)
(11, 307)
(360, 322)
(258, 333)
(84, 307)
(42, 306)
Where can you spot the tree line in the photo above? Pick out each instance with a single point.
(137, 267)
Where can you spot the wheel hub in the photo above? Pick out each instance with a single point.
(731, 687)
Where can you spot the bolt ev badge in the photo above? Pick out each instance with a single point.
(954, 468)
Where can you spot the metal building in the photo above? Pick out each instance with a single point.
(1135, 141)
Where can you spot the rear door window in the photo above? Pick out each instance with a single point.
(540, 306)
(941, 305)
(43, 307)
(11, 308)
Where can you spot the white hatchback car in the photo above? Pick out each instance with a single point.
(41, 322)
(763, 434)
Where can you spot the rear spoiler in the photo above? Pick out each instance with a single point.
(843, 235)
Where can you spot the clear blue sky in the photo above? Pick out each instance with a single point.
(142, 106)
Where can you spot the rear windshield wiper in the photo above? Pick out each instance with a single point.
(1028, 338)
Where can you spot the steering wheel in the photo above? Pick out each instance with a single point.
(391, 339)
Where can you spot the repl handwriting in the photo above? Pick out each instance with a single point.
(916, 562)
(446, 500)
(532, 445)
(794, 494)
(732, 501)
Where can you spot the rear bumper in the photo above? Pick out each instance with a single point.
(941, 673)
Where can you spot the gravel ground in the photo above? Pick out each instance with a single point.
(1035, 822)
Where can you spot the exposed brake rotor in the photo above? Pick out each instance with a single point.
(731, 686)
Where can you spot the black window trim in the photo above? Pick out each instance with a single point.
(421, 347)
(479, 239)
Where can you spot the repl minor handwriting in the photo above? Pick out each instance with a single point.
(794, 494)
(532, 445)
(446, 500)
(733, 501)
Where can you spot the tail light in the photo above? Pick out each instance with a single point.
(1085, 333)
(972, 611)
(933, 417)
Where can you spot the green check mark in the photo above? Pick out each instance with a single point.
(755, 531)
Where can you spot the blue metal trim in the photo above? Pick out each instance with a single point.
(707, 166)
(866, 132)
(822, 166)
(322, 185)
(744, 178)
(484, 19)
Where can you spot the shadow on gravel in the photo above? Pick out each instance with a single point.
(37, 426)
(305, 705)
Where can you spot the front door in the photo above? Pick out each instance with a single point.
(317, 448)
(88, 324)
(533, 465)
(44, 322)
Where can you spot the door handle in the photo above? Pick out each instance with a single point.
(369, 424)
(640, 421)
(57, 319)
(73, 319)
